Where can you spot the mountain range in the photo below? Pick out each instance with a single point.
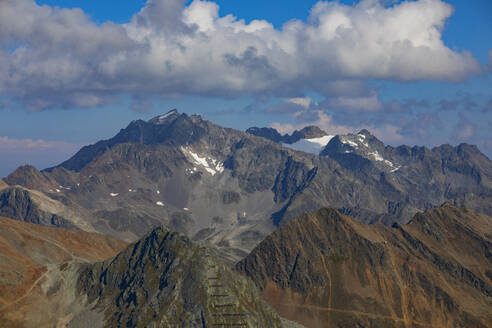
(230, 189)
(213, 224)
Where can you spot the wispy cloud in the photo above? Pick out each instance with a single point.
(40, 153)
(52, 57)
(21, 145)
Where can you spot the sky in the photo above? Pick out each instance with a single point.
(73, 72)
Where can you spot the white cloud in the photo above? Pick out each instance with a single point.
(388, 133)
(21, 145)
(304, 102)
(315, 117)
(464, 130)
(53, 57)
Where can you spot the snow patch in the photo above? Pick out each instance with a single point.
(312, 145)
(161, 118)
(388, 162)
(348, 142)
(376, 156)
(211, 165)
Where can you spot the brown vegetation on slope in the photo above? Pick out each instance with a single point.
(324, 269)
(27, 254)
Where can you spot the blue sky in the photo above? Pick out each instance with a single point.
(74, 76)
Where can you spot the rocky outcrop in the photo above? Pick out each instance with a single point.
(17, 203)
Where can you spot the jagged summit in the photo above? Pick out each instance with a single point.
(162, 280)
(365, 132)
(267, 133)
(160, 119)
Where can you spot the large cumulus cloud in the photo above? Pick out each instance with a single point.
(52, 57)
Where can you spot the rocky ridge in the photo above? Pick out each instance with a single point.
(166, 280)
(330, 270)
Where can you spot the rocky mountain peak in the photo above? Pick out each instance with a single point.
(363, 145)
(160, 119)
(365, 132)
(167, 268)
(267, 133)
(309, 132)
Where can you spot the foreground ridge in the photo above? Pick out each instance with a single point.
(331, 270)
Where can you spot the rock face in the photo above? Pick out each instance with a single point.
(17, 203)
(30, 257)
(165, 280)
(230, 189)
(331, 271)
